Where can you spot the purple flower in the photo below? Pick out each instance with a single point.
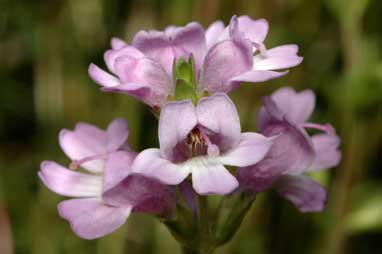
(200, 140)
(103, 199)
(232, 57)
(293, 152)
(223, 58)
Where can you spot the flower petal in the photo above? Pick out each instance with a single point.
(139, 91)
(117, 168)
(111, 55)
(224, 61)
(175, 42)
(254, 30)
(144, 194)
(251, 149)
(150, 164)
(69, 183)
(90, 219)
(146, 72)
(327, 153)
(258, 76)
(305, 194)
(292, 150)
(210, 177)
(84, 141)
(218, 114)
(176, 121)
(117, 133)
(213, 32)
(117, 43)
(281, 57)
(101, 77)
(297, 106)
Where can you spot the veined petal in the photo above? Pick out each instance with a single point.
(258, 76)
(305, 194)
(218, 114)
(213, 32)
(327, 153)
(101, 77)
(176, 121)
(210, 177)
(252, 148)
(90, 218)
(69, 183)
(86, 140)
(224, 61)
(297, 106)
(150, 164)
(117, 133)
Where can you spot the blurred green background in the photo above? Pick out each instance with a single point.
(46, 47)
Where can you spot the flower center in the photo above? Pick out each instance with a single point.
(196, 143)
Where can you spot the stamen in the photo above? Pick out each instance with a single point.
(322, 127)
(76, 163)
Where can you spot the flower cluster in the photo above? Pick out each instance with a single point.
(184, 75)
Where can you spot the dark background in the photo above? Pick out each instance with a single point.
(46, 47)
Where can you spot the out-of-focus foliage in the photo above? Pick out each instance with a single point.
(45, 49)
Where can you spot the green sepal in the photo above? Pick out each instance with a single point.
(185, 70)
(184, 91)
